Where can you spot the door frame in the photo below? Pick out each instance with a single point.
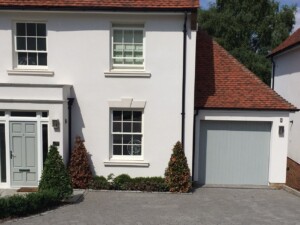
(6, 119)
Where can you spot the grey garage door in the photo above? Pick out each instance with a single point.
(234, 153)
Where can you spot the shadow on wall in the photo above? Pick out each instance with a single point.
(205, 82)
(78, 125)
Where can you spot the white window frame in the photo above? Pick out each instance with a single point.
(126, 157)
(15, 51)
(127, 67)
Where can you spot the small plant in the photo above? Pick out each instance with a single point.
(55, 176)
(99, 183)
(177, 175)
(79, 168)
(119, 181)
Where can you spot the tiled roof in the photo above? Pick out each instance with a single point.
(102, 4)
(224, 83)
(290, 42)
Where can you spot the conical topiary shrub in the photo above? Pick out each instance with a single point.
(79, 168)
(177, 175)
(55, 176)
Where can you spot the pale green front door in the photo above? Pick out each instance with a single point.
(23, 147)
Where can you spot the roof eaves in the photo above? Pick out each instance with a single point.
(247, 109)
(284, 49)
(98, 8)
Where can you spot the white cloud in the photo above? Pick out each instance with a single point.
(297, 17)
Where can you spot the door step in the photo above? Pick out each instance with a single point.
(28, 189)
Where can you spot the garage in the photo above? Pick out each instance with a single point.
(234, 152)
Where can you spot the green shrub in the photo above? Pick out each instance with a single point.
(99, 183)
(23, 205)
(119, 181)
(177, 175)
(55, 176)
(79, 168)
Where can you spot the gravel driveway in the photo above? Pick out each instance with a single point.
(206, 206)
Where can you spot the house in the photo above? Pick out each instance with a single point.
(285, 81)
(132, 78)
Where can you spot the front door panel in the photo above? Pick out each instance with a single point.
(23, 153)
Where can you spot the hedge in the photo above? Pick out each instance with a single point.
(125, 182)
(23, 205)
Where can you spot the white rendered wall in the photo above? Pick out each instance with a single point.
(287, 84)
(79, 55)
(278, 145)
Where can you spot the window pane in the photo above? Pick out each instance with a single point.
(127, 139)
(138, 54)
(127, 116)
(137, 127)
(118, 54)
(138, 36)
(128, 54)
(139, 48)
(117, 139)
(127, 150)
(21, 29)
(21, 43)
(138, 61)
(41, 44)
(22, 58)
(32, 58)
(42, 57)
(2, 153)
(117, 35)
(128, 36)
(45, 114)
(129, 47)
(127, 127)
(117, 150)
(118, 61)
(128, 61)
(117, 115)
(31, 43)
(136, 150)
(137, 116)
(137, 139)
(41, 29)
(117, 127)
(31, 29)
(23, 114)
(118, 47)
(45, 141)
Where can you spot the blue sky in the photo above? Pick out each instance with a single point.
(205, 4)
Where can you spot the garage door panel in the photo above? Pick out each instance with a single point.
(234, 152)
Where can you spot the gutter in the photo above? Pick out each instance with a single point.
(273, 72)
(70, 103)
(183, 81)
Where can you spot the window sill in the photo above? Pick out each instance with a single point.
(24, 72)
(126, 74)
(127, 163)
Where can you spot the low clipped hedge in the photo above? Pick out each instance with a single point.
(24, 205)
(126, 183)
